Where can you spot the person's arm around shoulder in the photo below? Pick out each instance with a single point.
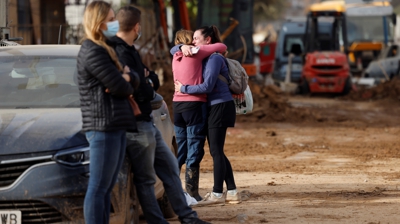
(103, 68)
(211, 73)
(175, 49)
(207, 50)
(185, 49)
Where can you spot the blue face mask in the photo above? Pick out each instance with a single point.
(112, 29)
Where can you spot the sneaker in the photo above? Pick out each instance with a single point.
(211, 199)
(233, 198)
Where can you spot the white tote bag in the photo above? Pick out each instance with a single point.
(243, 102)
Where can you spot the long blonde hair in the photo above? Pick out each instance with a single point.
(95, 14)
(184, 37)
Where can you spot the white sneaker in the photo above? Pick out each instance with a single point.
(233, 198)
(211, 199)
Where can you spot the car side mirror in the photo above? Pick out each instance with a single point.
(394, 18)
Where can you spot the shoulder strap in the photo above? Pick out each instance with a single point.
(223, 79)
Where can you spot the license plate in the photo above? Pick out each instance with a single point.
(10, 217)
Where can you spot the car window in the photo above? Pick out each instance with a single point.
(290, 40)
(33, 81)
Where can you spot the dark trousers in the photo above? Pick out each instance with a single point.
(222, 167)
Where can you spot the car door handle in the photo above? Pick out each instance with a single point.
(163, 116)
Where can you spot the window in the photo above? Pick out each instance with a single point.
(290, 40)
(33, 81)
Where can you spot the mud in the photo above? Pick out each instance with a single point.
(338, 164)
(302, 159)
(386, 90)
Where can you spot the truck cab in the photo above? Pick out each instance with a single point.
(291, 36)
(292, 32)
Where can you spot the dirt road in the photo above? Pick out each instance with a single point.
(325, 161)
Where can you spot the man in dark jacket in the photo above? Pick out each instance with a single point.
(148, 152)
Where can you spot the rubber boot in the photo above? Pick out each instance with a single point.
(192, 182)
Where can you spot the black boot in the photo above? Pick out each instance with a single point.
(192, 182)
(193, 221)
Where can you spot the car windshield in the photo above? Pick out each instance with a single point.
(363, 28)
(38, 82)
(290, 40)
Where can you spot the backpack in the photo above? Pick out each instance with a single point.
(237, 75)
(238, 85)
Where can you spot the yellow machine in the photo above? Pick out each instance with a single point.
(369, 27)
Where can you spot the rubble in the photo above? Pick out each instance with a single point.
(386, 90)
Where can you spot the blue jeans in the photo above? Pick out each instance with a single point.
(191, 139)
(150, 155)
(107, 152)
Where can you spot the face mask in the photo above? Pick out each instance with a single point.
(139, 34)
(112, 29)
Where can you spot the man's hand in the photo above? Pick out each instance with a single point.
(178, 86)
(186, 50)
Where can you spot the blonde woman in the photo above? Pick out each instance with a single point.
(106, 113)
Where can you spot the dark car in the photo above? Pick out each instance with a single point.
(44, 156)
(386, 66)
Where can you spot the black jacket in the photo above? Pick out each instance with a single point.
(128, 55)
(103, 111)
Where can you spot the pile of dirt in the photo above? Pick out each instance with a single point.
(271, 105)
(386, 90)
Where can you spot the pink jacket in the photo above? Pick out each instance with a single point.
(189, 70)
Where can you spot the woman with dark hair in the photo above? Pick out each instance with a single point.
(221, 114)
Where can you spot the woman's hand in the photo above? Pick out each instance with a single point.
(126, 77)
(126, 69)
(178, 86)
(225, 54)
(187, 50)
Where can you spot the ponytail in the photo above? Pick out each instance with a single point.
(212, 32)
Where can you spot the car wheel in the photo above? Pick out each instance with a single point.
(166, 207)
(132, 202)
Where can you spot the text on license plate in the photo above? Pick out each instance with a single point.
(10, 217)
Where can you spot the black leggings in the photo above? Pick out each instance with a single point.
(222, 166)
